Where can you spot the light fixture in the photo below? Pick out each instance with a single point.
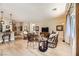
(10, 16)
(1, 21)
(10, 19)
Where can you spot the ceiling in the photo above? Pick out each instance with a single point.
(33, 11)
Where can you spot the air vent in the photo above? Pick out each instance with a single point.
(54, 9)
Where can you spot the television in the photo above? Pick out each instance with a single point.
(45, 29)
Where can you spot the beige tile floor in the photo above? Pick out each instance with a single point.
(19, 48)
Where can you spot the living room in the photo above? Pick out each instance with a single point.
(23, 25)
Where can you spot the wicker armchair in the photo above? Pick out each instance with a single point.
(52, 42)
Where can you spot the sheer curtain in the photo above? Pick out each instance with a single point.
(67, 32)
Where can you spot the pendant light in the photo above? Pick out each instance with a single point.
(1, 21)
(10, 19)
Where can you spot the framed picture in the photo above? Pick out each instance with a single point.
(36, 28)
(59, 27)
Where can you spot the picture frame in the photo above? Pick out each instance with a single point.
(59, 27)
(36, 28)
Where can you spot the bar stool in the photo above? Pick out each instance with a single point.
(30, 39)
(6, 36)
(35, 42)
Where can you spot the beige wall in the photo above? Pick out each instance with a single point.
(52, 23)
